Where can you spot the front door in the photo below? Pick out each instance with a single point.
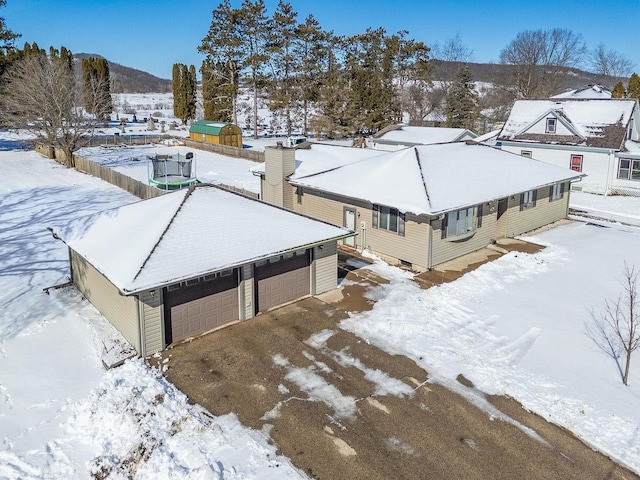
(350, 223)
(501, 225)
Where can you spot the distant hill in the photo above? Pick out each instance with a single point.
(129, 80)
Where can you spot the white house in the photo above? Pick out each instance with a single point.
(587, 91)
(397, 137)
(598, 137)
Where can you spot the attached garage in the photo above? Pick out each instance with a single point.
(282, 279)
(203, 258)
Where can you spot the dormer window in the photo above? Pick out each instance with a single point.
(551, 125)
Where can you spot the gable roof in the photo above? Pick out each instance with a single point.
(408, 135)
(586, 91)
(433, 179)
(598, 123)
(186, 234)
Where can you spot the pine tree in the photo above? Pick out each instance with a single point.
(179, 106)
(633, 88)
(618, 91)
(217, 93)
(462, 101)
(96, 87)
(223, 49)
(7, 43)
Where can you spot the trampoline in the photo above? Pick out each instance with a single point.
(172, 172)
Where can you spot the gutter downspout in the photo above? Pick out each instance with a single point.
(609, 174)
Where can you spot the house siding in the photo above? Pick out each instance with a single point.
(445, 249)
(151, 311)
(544, 213)
(246, 293)
(412, 248)
(120, 310)
(325, 268)
(279, 164)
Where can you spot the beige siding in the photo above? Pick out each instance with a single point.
(447, 249)
(151, 311)
(325, 268)
(279, 164)
(245, 289)
(412, 248)
(121, 311)
(543, 213)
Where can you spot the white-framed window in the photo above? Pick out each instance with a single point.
(528, 199)
(629, 169)
(386, 218)
(526, 153)
(576, 163)
(551, 125)
(556, 191)
(459, 223)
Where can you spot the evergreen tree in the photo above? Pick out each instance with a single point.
(96, 87)
(310, 48)
(618, 91)
(179, 106)
(218, 94)
(223, 49)
(191, 92)
(7, 43)
(462, 101)
(633, 88)
(284, 64)
(253, 29)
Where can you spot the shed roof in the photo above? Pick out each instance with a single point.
(408, 135)
(597, 122)
(186, 234)
(208, 127)
(432, 179)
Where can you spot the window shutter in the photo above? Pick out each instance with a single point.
(374, 219)
(522, 201)
(443, 226)
(479, 215)
(535, 197)
(401, 224)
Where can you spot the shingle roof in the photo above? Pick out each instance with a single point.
(186, 234)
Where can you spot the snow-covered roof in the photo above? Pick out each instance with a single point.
(587, 91)
(432, 179)
(406, 135)
(186, 234)
(488, 138)
(596, 123)
(318, 157)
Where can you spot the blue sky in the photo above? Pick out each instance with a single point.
(152, 35)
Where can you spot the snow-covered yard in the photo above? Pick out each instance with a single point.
(61, 414)
(516, 326)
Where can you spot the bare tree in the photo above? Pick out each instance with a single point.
(44, 93)
(540, 57)
(609, 64)
(616, 330)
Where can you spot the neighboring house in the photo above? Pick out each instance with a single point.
(217, 133)
(184, 263)
(420, 206)
(595, 137)
(593, 91)
(397, 137)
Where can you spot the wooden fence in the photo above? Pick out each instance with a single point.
(236, 152)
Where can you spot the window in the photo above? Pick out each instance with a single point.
(459, 223)
(629, 169)
(299, 195)
(528, 199)
(556, 191)
(576, 163)
(526, 153)
(551, 125)
(385, 218)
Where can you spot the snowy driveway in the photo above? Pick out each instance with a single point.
(339, 407)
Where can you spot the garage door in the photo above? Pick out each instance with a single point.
(201, 306)
(282, 279)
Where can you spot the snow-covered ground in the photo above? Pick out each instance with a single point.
(61, 415)
(617, 208)
(516, 326)
(210, 167)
